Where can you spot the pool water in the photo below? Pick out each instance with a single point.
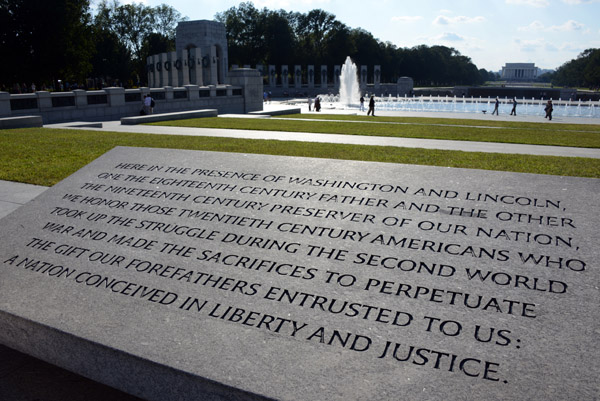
(531, 107)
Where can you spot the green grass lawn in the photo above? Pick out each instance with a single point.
(585, 136)
(45, 156)
(521, 125)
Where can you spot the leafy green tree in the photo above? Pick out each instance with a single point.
(165, 20)
(141, 29)
(311, 30)
(111, 60)
(365, 49)
(584, 71)
(47, 40)
(132, 23)
(279, 40)
(317, 37)
(591, 72)
(546, 77)
(245, 33)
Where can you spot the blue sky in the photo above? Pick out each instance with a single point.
(490, 32)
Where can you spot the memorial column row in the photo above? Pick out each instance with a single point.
(196, 66)
(298, 78)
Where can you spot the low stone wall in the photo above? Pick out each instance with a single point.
(243, 96)
(20, 122)
(151, 118)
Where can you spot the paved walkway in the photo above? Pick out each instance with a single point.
(23, 378)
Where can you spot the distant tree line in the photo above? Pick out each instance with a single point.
(279, 37)
(582, 72)
(62, 44)
(59, 44)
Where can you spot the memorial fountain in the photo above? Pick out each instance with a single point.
(350, 93)
(349, 86)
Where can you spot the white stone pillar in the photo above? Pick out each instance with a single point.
(377, 76)
(116, 96)
(164, 76)
(172, 71)
(192, 92)
(44, 101)
(285, 82)
(195, 65)
(311, 76)
(298, 76)
(150, 69)
(213, 68)
(81, 98)
(272, 76)
(158, 67)
(323, 77)
(363, 76)
(157, 70)
(185, 68)
(337, 71)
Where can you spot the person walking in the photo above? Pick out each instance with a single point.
(310, 103)
(513, 112)
(148, 105)
(362, 103)
(317, 104)
(548, 109)
(371, 106)
(496, 106)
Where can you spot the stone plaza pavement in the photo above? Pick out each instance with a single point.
(23, 378)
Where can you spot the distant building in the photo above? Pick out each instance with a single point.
(519, 72)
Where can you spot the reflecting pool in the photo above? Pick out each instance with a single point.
(448, 104)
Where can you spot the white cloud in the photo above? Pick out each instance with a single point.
(568, 47)
(570, 25)
(532, 3)
(449, 37)
(533, 45)
(443, 20)
(407, 18)
(530, 45)
(533, 27)
(577, 2)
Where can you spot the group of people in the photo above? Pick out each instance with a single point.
(548, 109)
(362, 105)
(513, 112)
(317, 103)
(371, 105)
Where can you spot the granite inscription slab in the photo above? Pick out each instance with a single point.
(175, 274)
